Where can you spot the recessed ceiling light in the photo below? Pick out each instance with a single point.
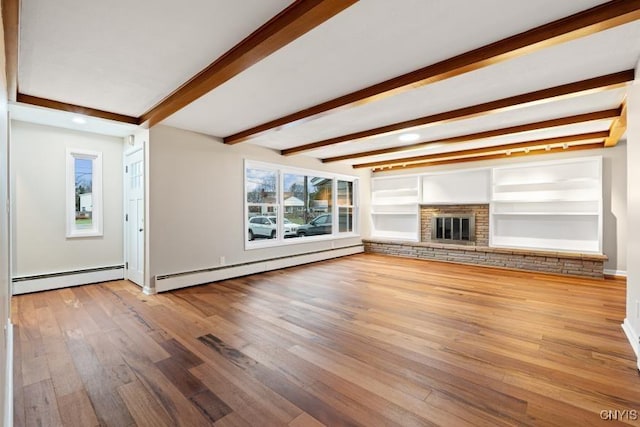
(409, 137)
(79, 120)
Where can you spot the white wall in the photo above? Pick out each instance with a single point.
(6, 353)
(38, 168)
(632, 321)
(614, 182)
(196, 212)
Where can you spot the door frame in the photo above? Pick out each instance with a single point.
(128, 151)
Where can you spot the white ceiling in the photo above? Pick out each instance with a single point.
(125, 57)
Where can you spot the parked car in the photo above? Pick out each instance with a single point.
(319, 225)
(267, 227)
(262, 226)
(290, 228)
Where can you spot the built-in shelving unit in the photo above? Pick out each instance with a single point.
(395, 213)
(548, 205)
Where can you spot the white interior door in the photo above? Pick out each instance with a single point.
(134, 217)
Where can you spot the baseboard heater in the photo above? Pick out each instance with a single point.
(63, 279)
(169, 282)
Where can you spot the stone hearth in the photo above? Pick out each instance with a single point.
(574, 264)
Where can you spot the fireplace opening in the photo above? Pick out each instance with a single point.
(453, 228)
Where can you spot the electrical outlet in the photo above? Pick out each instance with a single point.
(223, 260)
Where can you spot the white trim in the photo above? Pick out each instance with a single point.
(198, 278)
(127, 151)
(633, 338)
(8, 391)
(96, 193)
(66, 280)
(621, 273)
(297, 170)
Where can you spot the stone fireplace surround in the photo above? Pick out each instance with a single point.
(479, 252)
(481, 213)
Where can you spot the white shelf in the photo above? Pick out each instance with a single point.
(588, 206)
(395, 213)
(394, 203)
(548, 213)
(397, 190)
(558, 245)
(549, 195)
(561, 183)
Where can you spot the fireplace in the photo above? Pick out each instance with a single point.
(453, 228)
(460, 224)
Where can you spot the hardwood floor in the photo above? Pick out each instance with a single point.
(363, 340)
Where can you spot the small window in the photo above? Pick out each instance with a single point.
(345, 207)
(84, 193)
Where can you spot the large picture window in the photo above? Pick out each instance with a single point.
(84, 193)
(286, 205)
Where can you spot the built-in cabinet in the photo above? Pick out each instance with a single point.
(459, 187)
(395, 209)
(553, 205)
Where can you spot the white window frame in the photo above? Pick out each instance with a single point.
(353, 206)
(266, 167)
(96, 193)
(280, 240)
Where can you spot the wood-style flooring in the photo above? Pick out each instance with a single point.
(363, 340)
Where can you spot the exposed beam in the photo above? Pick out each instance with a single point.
(583, 87)
(293, 22)
(590, 21)
(618, 128)
(488, 150)
(77, 109)
(533, 152)
(11, 27)
(546, 124)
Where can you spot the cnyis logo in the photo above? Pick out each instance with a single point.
(619, 414)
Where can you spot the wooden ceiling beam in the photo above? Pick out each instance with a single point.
(610, 81)
(76, 109)
(11, 27)
(618, 128)
(296, 20)
(546, 124)
(488, 150)
(587, 22)
(532, 152)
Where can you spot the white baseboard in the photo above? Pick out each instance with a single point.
(622, 273)
(177, 281)
(23, 285)
(632, 336)
(8, 393)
